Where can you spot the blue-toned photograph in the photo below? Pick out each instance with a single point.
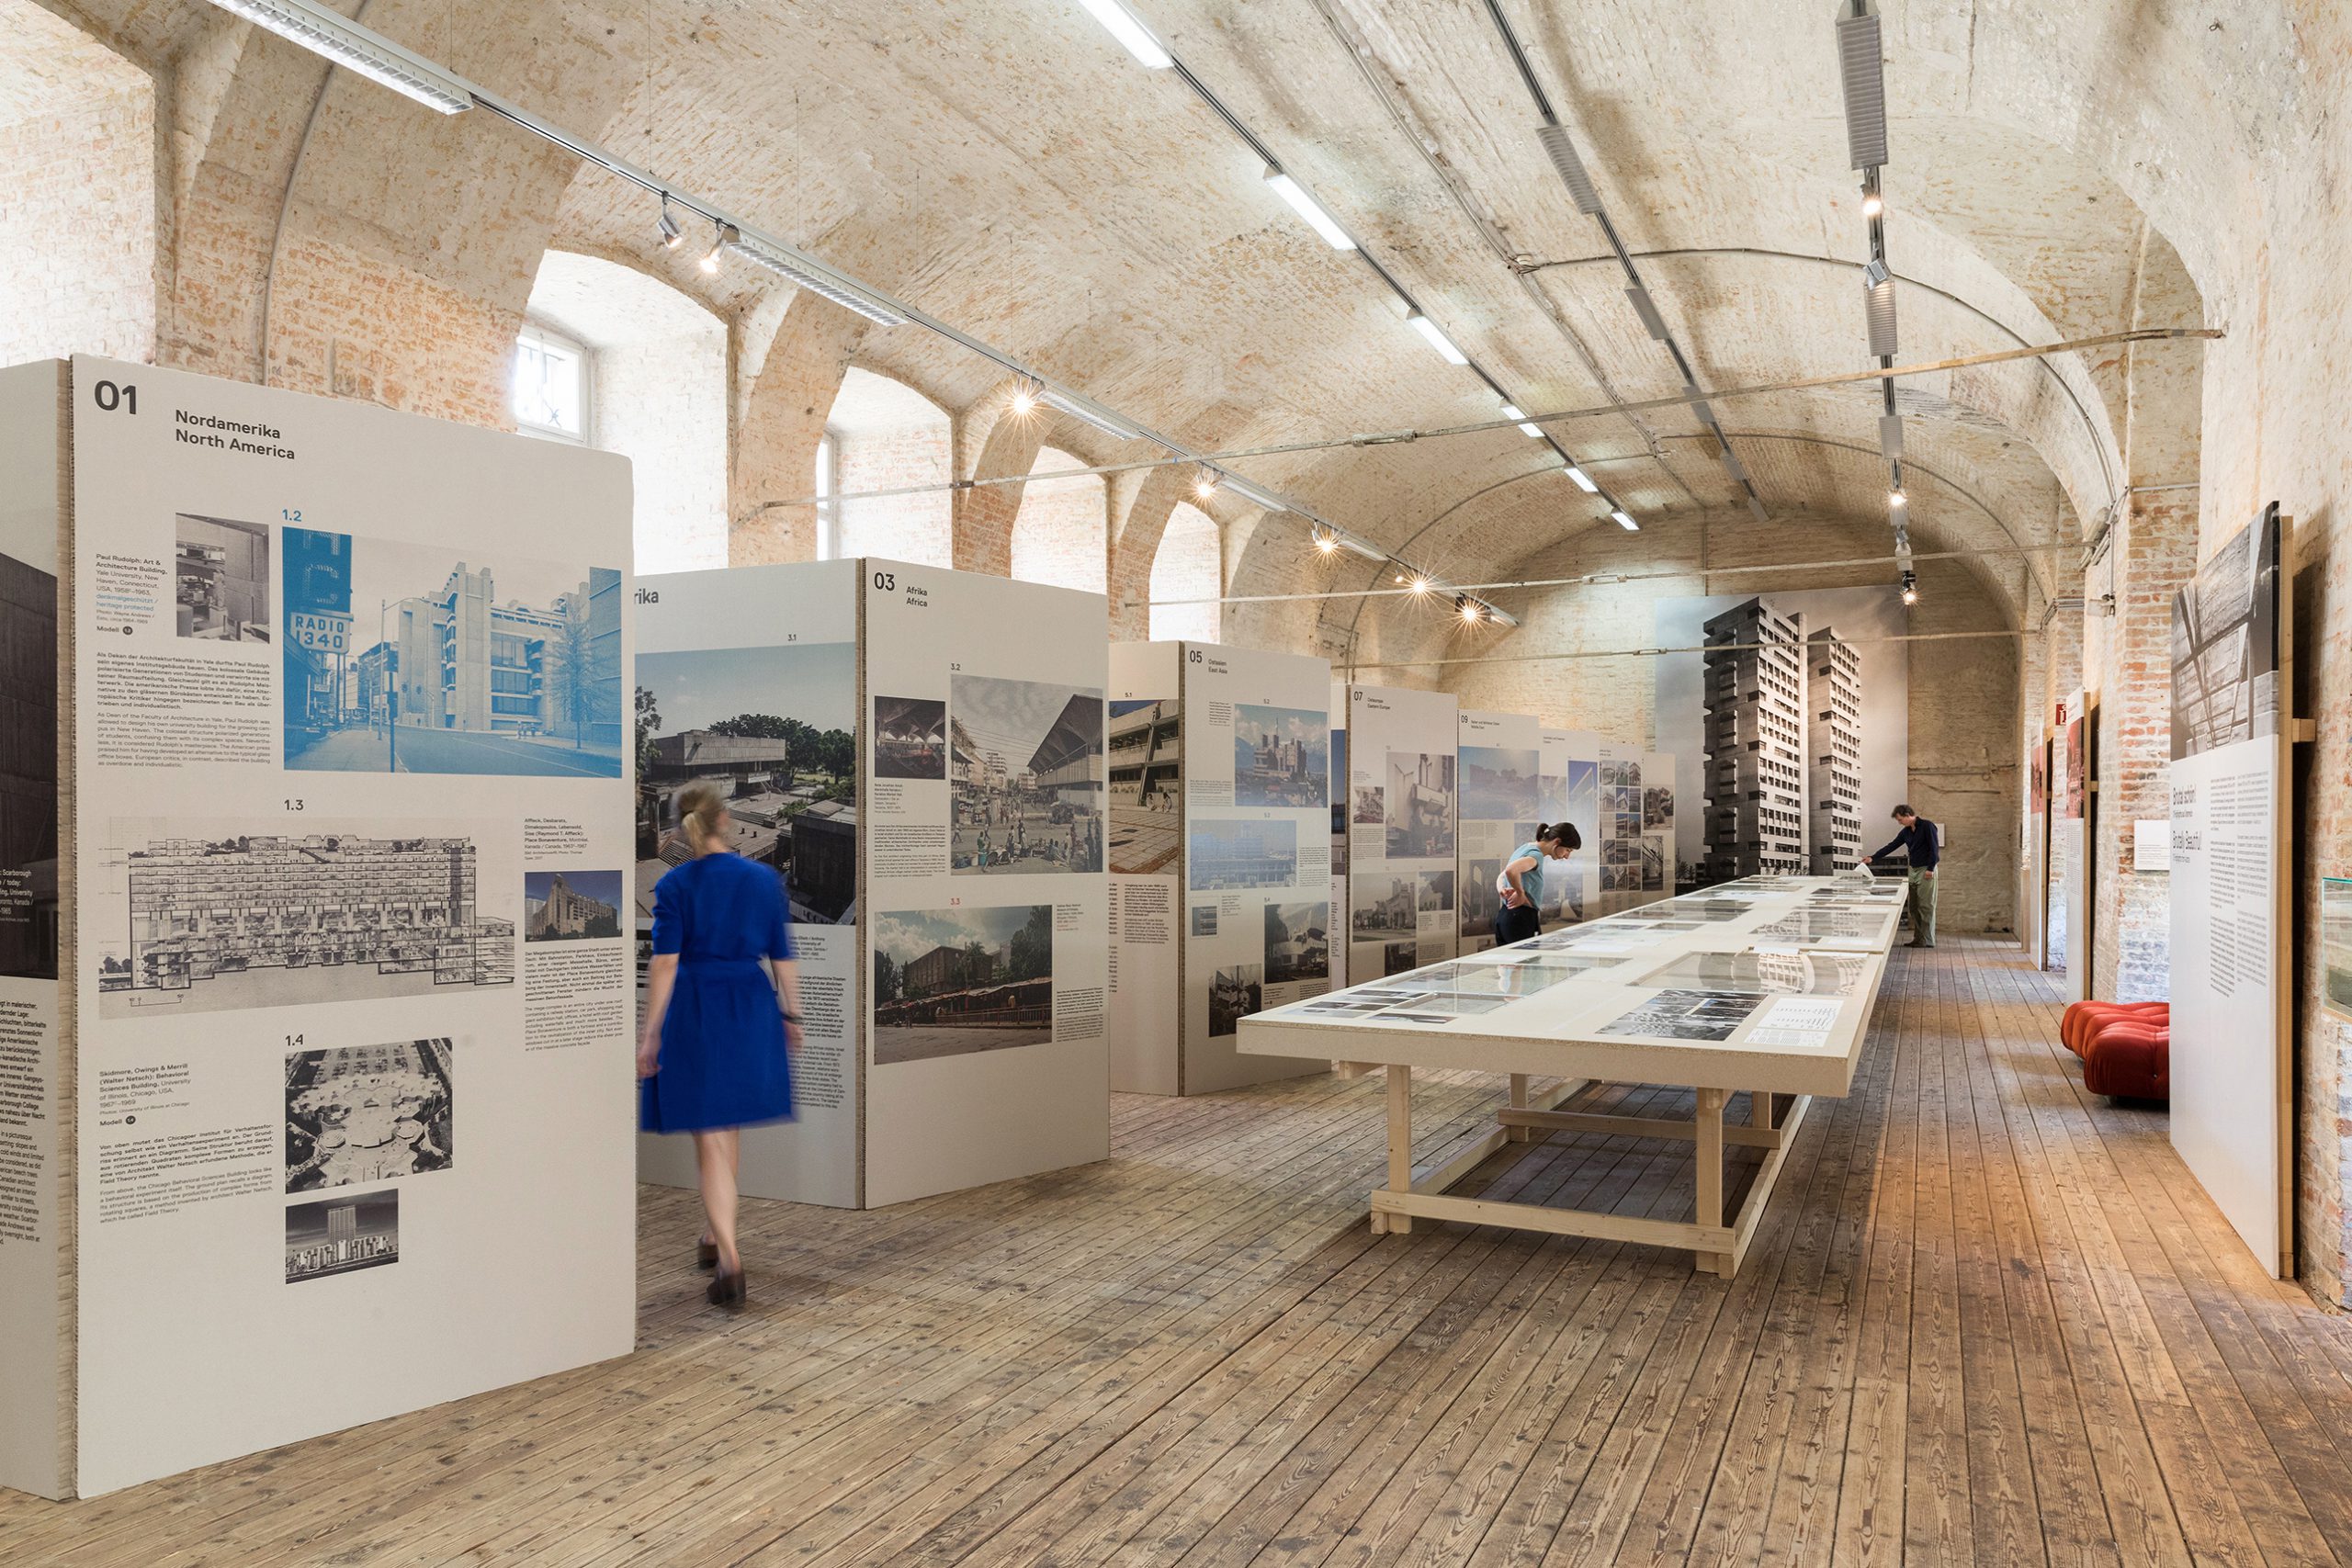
(404, 658)
(1281, 756)
(1500, 783)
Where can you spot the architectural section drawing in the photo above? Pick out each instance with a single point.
(205, 919)
(1833, 751)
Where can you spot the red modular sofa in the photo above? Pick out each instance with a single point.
(2126, 1047)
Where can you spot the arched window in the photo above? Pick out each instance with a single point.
(1187, 566)
(1058, 534)
(77, 135)
(615, 359)
(882, 435)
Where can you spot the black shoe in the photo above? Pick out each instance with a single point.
(707, 1256)
(726, 1288)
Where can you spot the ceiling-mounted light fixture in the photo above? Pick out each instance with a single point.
(1133, 35)
(1897, 499)
(1468, 608)
(1326, 541)
(1437, 338)
(1204, 483)
(1363, 548)
(356, 49)
(1420, 585)
(1526, 426)
(1910, 586)
(1079, 408)
(1872, 203)
(1322, 222)
(1025, 399)
(1563, 153)
(792, 271)
(1249, 491)
(1625, 521)
(1862, 73)
(1584, 480)
(672, 235)
(721, 234)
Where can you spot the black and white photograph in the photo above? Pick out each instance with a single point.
(774, 728)
(1657, 806)
(1652, 863)
(358, 1114)
(1369, 800)
(201, 917)
(1420, 805)
(1620, 878)
(220, 579)
(951, 982)
(342, 1235)
(570, 905)
(1235, 992)
(29, 906)
(1498, 783)
(1281, 757)
(1687, 1015)
(1622, 851)
(1436, 891)
(1621, 798)
(1618, 772)
(909, 738)
(1025, 760)
(2224, 648)
(1837, 927)
(1299, 945)
(1227, 855)
(1799, 974)
(404, 658)
(1205, 919)
(1479, 903)
(1399, 957)
(1625, 827)
(1147, 785)
(1386, 904)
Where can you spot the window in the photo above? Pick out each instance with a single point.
(829, 515)
(550, 385)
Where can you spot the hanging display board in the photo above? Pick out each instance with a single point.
(351, 994)
(1147, 861)
(747, 681)
(1401, 828)
(1257, 805)
(2231, 1059)
(1499, 759)
(988, 906)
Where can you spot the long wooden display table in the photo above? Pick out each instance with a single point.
(1764, 985)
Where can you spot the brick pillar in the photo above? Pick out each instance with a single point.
(789, 368)
(992, 441)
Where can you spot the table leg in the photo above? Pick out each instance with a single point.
(1759, 1109)
(1401, 1143)
(1709, 1158)
(1519, 1102)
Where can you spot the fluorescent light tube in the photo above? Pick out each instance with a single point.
(1128, 28)
(1625, 521)
(793, 272)
(1878, 316)
(358, 49)
(1322, 222)
(1249, 491)
(1584, 480)
(1862, 73)
(1077, 407)
(1436, 339)
(1526, 427)
(1363, 548)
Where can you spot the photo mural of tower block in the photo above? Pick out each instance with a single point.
(1755, 737)
(300, 1059)
(935, 796)
(1833, 751)
(1221, 792)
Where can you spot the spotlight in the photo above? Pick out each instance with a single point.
(1469, 608)
(1204, 484)
(721, 236)
(1420, 585)
(672, 235)
(1897, 499)
(1400, 577)
(1326, 541)
(1873, 204)
(1025, 401)
(1910, 586)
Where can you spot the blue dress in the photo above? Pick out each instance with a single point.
(723, 1061)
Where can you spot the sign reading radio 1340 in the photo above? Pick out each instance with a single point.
(324, 632)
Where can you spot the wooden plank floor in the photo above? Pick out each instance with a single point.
(1988, 1319)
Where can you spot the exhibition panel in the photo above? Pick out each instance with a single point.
(1147, 864)
(748, 680)
(349, 1039)
(1338, 707)
(1500, 761)
(1400, 827)
(1571, 792)
(2233, 687)
(988, 906)
(1763, 985)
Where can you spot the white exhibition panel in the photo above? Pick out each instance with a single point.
(1500, 761)
(1338, 711)
(1147, 856)
(976, 1072)
(756, 651)
(1760, 985)
(1257, 819)
(31, 1058)
(1400, 827)
(1572, 795)
(368, 1016)
(2070, 834)
(2231, 1060)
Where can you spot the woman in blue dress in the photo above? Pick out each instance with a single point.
(722, 1014)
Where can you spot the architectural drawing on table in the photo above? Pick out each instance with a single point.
(1146, 760)
(1833, 751)
(1755, 736)
(204, 909)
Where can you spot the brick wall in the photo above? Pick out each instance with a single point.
(917, 528)
(1187, 567)
(1061, 533)
(78, 230)
(664, 404)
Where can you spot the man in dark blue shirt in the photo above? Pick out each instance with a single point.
(1919, 842)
